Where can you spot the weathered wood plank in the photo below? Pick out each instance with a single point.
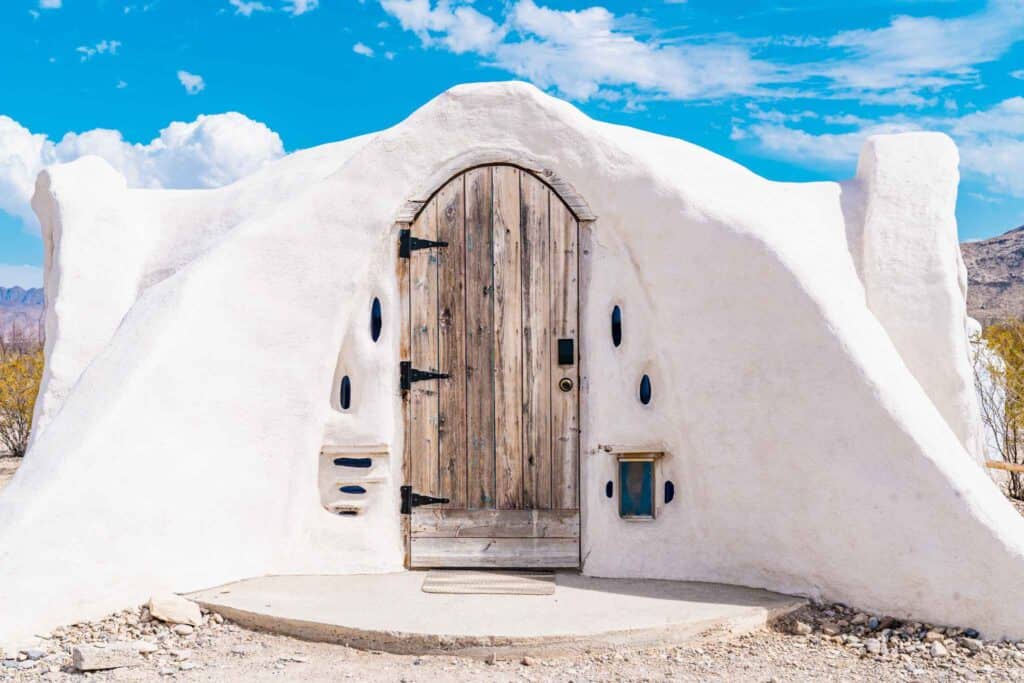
(1006, 466)
(479, 335)
(521, 553)
(440, 523)
(564, 323)
(451, 228)
(508, 360)
(402, 275)
(536, 248)
(423, 354)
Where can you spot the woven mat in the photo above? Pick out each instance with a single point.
(489, 583)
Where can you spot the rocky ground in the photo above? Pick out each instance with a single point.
(821, 642)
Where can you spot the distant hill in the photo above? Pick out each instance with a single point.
(21, 312)
(995, 277)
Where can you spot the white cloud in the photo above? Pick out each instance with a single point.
(193, 83)
(361, 49)
(101, 48)
(926, 53)
(50, 4)
(991, 141)
(22, 276)
(121, 85)
(389, 55)
(582, 52)
(585, 52)
(209, 152)
(1018, 74)
(247, 7)
(297, 7)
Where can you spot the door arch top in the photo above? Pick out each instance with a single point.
(496, 157)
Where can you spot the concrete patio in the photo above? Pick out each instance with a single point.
(390, 612)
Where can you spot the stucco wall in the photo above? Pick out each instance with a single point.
(806, 455)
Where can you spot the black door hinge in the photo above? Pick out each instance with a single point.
(412, 500)
(408, 244)
(408, 374)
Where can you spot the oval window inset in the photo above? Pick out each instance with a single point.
(345, 395)
(670, 491)
(376, 319)
(616, 326)
(645, 389)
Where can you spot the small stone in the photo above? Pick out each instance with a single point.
(492, 659)
(971, 633)
(187, 666)
(972, 644)
(245, 649)
(801, 629)
(938, 650)
(934, 636)
(873, 623)
(167, 671)
(293, 658)
(181, 654)
(100, 656)
(174, 609)
(873, 646)
(34, 653)
(829, 629)
(184, 630)
(145, 647)
(527, 661)
(859, 618)
(217, 618)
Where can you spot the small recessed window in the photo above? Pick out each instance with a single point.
(354, 490)
(670, 491)
(354, 462)
(645, 389)
(616, 326)
(636, 488)
(376, 319)
(609, 489)
(345, 395)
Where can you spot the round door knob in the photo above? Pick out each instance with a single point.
(565, 384)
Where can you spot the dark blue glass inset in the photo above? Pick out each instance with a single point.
(352, 489)
(353, 462)
(609, 489)
(345, 396)
(670, 491)
(645, 389)
(616, 326)
(376, 319)
(636, 488)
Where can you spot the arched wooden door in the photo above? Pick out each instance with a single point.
(496, 310)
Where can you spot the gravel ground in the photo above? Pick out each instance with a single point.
(8, 465)
(818, 643)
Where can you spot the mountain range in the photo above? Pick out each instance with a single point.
(21, 311)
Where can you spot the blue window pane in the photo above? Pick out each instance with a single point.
(645, 389)
(376, 320)
(670, 491)
(616, 326)
(352, 489)
(345, 395)
(636, 488)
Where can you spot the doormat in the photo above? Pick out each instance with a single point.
(489, 583)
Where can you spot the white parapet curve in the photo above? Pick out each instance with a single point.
(812, 452)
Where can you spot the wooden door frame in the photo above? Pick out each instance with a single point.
(585, 219)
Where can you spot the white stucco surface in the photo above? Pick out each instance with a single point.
(805, 342)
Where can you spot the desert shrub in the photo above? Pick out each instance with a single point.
(21, 370)
(999, 379)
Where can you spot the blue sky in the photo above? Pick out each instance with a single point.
(788, 88)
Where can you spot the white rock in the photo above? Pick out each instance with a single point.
(174, 609)
(100, 656)
(184, 630)
(938, 650)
